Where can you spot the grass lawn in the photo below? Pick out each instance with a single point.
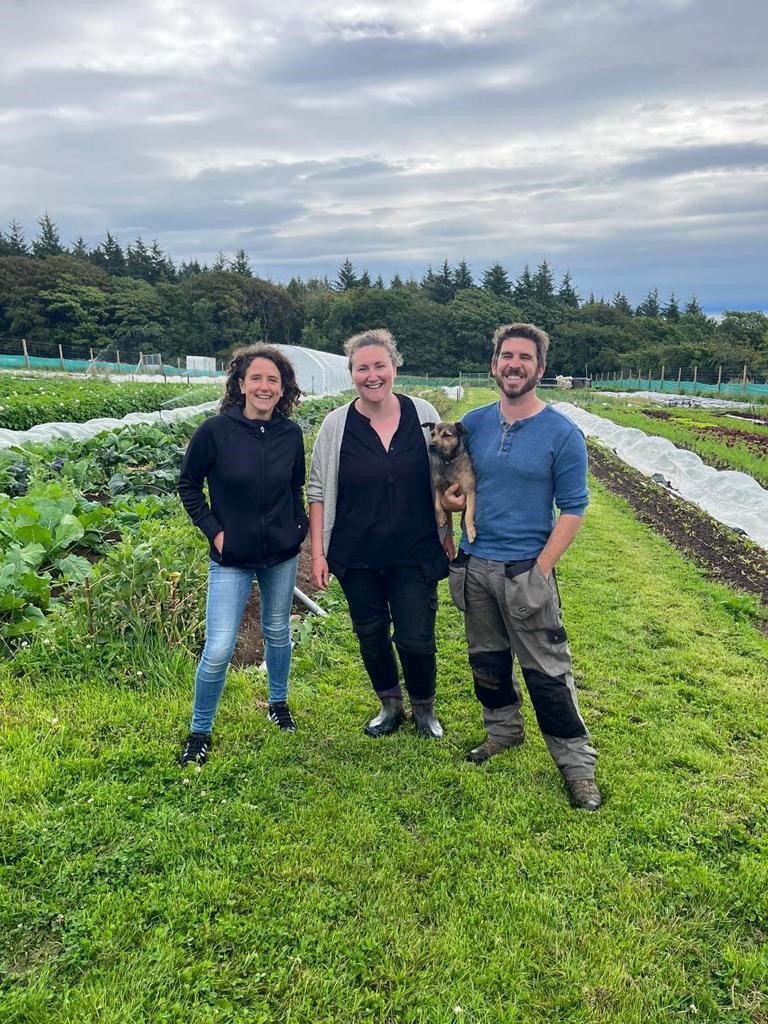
(327, 877)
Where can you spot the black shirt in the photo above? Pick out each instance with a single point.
(384, 510)
(255, 475)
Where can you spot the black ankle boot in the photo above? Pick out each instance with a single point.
(426, 723)
(388, 720)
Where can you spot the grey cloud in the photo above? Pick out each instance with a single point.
(688, 159)
(292, 157)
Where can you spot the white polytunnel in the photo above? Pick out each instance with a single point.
(733, 498)
(318, 373)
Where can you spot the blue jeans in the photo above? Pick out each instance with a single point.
(228, 592)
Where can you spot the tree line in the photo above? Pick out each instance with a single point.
(136, 298)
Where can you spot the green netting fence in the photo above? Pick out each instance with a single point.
(69, 365)
(745, 390)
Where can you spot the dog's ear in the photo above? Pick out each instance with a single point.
(461, 430)
(429, 426)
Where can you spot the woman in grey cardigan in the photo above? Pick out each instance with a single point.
(372, 524)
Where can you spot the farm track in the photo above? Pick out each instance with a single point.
(724, 555)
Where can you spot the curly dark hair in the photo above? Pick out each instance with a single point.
(242, 359)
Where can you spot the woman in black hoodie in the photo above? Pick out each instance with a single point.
(252, 457)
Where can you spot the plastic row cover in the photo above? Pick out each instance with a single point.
(83, 431)
(733, 498)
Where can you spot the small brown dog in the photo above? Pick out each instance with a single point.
(451, 464)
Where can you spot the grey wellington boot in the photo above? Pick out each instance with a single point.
(426, 723)
(389, 719)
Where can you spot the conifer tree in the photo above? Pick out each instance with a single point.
(439, 286)
(241, 264)
(692, 307)
(162, 265)
(365, 280)
(109, 256)
(495, 280)
(396, 282)
(188, 269)
(620, 303)
(462, 277)
(650, 305)
(47, 242)
(14, 243)
(345, 277)
(523, 289)
(16, 240)
(567, 293)
(671, 311)
(544, 284)
(379, 282)
(80, 248)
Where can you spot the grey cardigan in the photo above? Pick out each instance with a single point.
(324, 470)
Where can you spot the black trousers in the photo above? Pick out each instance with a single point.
(404, 597)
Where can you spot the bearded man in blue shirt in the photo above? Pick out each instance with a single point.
(528, 459)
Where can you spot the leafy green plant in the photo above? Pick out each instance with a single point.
(150, 582)
(41, 535)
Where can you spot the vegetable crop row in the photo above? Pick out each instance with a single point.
(66, 506)
(28, 401)
(719, 441)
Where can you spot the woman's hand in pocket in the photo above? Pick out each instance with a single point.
(218, 541)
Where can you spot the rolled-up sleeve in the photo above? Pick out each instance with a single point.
(570, 475)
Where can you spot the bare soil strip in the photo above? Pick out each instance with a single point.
(725, 555)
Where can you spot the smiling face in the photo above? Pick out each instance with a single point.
(373, 373)
(262, 387)
(516, 368)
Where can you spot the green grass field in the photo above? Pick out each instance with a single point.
(327, 877)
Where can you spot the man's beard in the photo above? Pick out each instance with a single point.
(521, 385)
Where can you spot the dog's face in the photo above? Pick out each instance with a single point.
(446, 439)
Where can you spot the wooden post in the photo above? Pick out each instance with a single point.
(26, 354)
(649, 380)
(61, 358)
(695, 376)
(719, 377)
(744, 381)
(679, 375)
(661, 382)
(117, 354)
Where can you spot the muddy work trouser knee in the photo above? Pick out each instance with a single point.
(511, 610)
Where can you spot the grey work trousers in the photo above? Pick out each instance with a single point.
(511, 610)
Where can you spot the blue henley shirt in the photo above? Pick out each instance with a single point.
(524, 470)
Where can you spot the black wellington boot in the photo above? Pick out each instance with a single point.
(389, 719)
(426, 723)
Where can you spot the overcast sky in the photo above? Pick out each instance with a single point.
(625, 140)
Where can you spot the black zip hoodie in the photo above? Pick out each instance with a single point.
(255, 472)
